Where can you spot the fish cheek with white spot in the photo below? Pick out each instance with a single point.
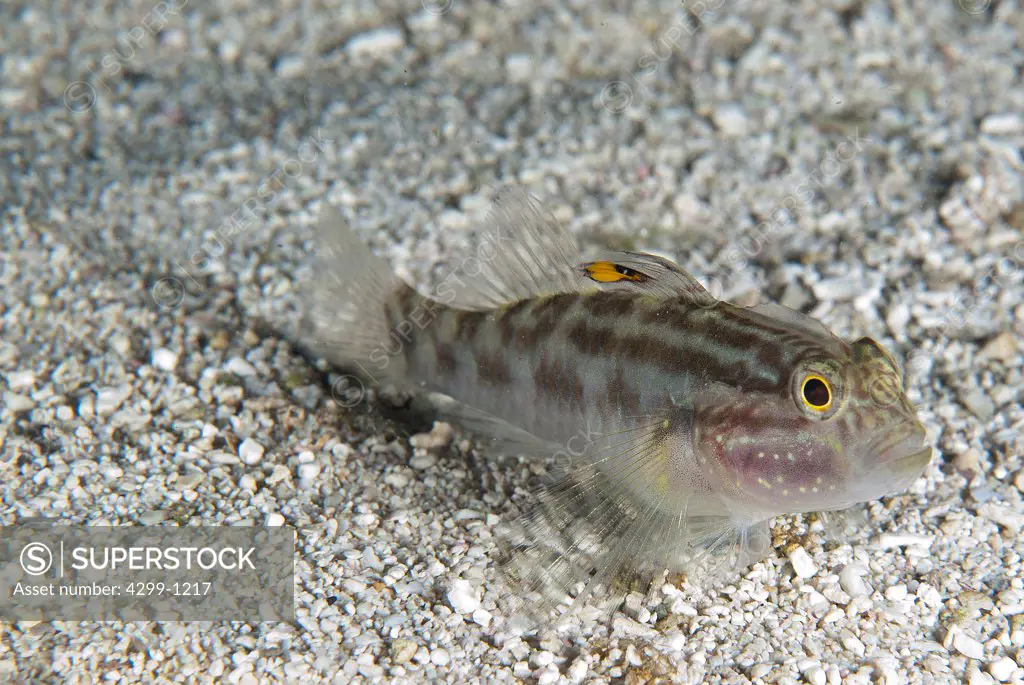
(774, 462)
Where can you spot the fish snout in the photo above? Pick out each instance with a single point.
(903, 454)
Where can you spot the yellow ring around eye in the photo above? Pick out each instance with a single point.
(816, 393)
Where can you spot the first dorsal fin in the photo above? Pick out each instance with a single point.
(525, 253)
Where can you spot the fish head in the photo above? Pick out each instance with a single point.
(838, 431)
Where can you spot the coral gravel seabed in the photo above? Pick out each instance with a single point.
(859, 161)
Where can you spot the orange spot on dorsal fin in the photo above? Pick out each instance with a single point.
(610, 272)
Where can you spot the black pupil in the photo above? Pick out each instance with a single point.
(816, 392)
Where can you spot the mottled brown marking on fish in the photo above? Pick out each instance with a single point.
(645, 349)
(508, 321)
(545, 375)
(609, 304)
(408, 298)
(394, 312)
(591, 340)
(558, 379)
(446, 362)
(546, 315)
(467, 324)
(669, 313)
(572, 386)
(491, 367)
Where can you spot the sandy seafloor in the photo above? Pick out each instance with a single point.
(126, 397)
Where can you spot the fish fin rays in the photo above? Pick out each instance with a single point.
(526, 253)
(781, 315)
(598, 532)
(839, 524)
(344, 316)
(647, 274)
(501, 436)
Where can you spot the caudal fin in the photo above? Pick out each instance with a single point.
(346, 301)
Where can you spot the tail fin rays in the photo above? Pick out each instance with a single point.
(345, 315)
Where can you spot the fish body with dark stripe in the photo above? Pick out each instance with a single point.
(683, 423)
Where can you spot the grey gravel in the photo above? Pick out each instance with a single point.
(858, 160)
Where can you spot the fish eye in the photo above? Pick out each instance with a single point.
(816, 392)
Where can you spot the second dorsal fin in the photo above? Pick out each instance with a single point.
(645, 273)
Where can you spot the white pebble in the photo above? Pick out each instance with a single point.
(309, 472)
(578, 670)
(963, 643)
(279, 474)
(403, 650)
(1002, 348)
(549, 676)
(275, 520)
(250, 452)
(229, 51)
(833, 616)
(1002, 670)
(976, 677)
(462, 597)
(18, 403)
(439, 436)
(803, 565)
(851, 580)
(837, 289)
(519, 67)
(353, 586)
(482, 617)
(730, 120)
(440, 657)
(396, 480)
(979, 404)
(897, 318)
(65, 413)
(815, 675)
(888, 540)
(109, 399)
(888, 676)
(151, 518)
(365, 520)
(1002, 124)
(21, 379)
(627, 627)
(852, 643)
(292, 66)
(690, 209)
(240, 367)
(376, 44)
(164, 359)
(896, 593)
(421, 462)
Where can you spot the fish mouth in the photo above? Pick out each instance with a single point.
(912, 465)
(904, 458)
